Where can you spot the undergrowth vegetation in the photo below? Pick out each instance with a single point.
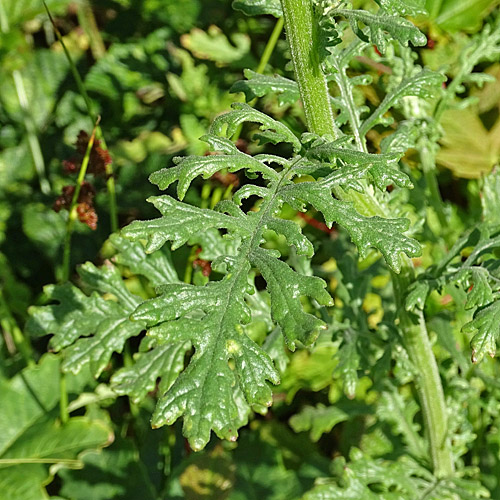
(303, 302)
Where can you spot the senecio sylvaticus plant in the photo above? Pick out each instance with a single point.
(212, 372)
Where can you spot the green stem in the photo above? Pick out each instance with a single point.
(63, 397)
(72, 209)
(301, 31)
(271, 44)
(88, 22)
(428, 160)
(29, 124)
(110, 183)
(128, 362)
(9, 324)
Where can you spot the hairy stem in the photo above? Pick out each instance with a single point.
(301, 32)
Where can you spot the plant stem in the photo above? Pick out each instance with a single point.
(128, 362)
(9, 325)
(88, 22)
(301, 30)
(63, 397)
(72, 209)
(302, 33)
(110, 183)
(29, 124)
(269, 48)
(428, 160)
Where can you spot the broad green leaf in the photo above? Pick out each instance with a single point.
(215, 46)
(319, 419)
(31, 440)
(457, 15)
(258, 7)
(379, 24)
(468, 153)
(20, 11)
(115, 472)
(486, 323)
(257, 85)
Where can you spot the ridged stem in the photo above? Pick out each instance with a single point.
(301, 29)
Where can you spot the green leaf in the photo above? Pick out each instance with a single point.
(257, 85)
(183, 222)
(258, 7)
(382, 168)
(286, 287)
(403, 7)
(364, 478)
(228, 123)
(486, 323)
(157, 267)
(417, 295)
(215, 46)
(163, 362)
(400, 414)
(319, 419)
(207, 392)
(424, 85)
(458, 15)
(366, 232)
(31, 440)
(116, 472)
(476, 280)
(89, 327)
(348, 366)
(379, 25)
(188, 168)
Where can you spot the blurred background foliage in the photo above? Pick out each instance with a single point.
(158, 72)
